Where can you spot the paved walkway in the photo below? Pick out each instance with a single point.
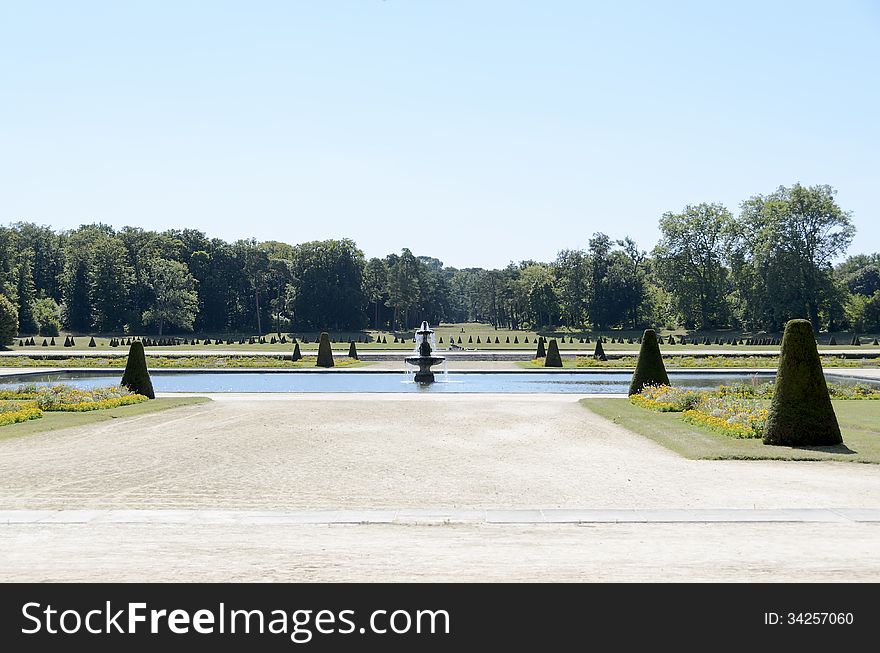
(415, 516)
(433, 487)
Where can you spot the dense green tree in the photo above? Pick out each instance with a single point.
(860, 274)
(376, 287)
(25, 292)
(403, 287)
(572, 270)
(689, 261)
(782, 256)
(109, 283)
(48, 257)
(175, 300)
(77, 308)
(8, 322)
(47, 315)
(329, 285)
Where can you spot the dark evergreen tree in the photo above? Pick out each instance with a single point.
(801, 414)
(297, 355)
(553, 359)
(599, 351)
(325, 351)
(352, 350)
(650, 369)
(136, 376)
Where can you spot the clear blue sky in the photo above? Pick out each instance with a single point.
(477, 132)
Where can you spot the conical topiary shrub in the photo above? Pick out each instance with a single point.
(352, 351)
(801, 413)
(553, 358)
(136, 376)
(297, 354)
(650, 369)
(325, 351)
(541, 353)
(92, 342)
(599, 351)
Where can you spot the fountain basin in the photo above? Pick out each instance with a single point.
(424, 359)
(424, 363)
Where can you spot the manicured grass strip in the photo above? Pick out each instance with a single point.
(859, 424)
(52, 421)
(692, 362)
(154, 362)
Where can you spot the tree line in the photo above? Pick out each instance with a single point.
(710, 269)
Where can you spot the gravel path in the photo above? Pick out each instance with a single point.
(388, 451)
(354, 452)
(621, 552)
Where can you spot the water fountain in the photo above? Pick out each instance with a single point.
(425, 360)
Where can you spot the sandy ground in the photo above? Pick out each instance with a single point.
(286, 452)
(630, 552)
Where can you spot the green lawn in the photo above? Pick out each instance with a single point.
(859, 423)
(52, 421)
(687, 362)
(156, 362)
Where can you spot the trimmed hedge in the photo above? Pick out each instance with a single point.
(136, 376)
(325, 351)
(650, 369)
(553, 359)
(801, 413)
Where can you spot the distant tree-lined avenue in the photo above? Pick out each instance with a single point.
(710, 269)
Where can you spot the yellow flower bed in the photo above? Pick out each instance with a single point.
(722, 425)
(102, 404)
(727, 410)
(653, 404)
(666, 399)
(21, 415)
